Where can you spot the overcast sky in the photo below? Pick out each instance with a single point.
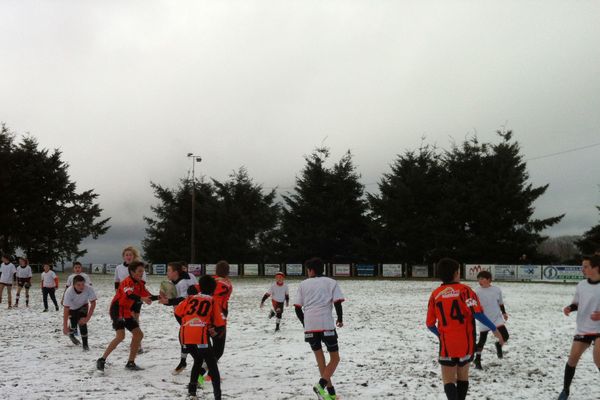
(127, 88)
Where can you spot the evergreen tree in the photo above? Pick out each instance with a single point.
(590, 242)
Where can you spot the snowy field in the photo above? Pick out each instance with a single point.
(385, 349)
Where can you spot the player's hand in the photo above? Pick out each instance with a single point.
(147, 300)
(567, 310)
(84, 320)
(505, 315)
(66, 330)
(499, 337)
(212, 331)
(339, 324)
(595, 316)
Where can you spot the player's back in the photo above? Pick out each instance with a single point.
(452, 306)
(198, 313)
(223, 293)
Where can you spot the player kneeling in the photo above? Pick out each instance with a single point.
(79, 302)
(450, 316)
(200, 316)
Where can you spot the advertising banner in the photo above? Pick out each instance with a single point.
(420, 271)
(530, 273)
(251, 269)
(234, 270)
(365, 269)
(195, 269)
(211, 269)
(272, 269)
(505, 272)
(392, 270)
(159, 269)
(471, 270)
(293, 269)
(563, 273)
(97, 268)
(341, 269)
(111, 268)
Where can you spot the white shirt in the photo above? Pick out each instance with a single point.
(122, 272)
(48, 279)
(8, 271)
(85, 276)
(278, 293)
(75, 300)
(316, 297)
(490, 299)
(587, 298)
(183, 285)
(24, 272)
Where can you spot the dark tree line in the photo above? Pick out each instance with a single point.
(41, 212)
(472, 201)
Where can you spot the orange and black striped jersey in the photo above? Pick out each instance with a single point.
(223, 293)
(129, 292)
(198, 314)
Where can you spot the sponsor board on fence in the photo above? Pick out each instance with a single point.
(97, 268)
(505, 272)
(251, 269)
(234, 269)
(531, 273)
(159, 269)
(195, 269)
(111, 268)
(420, 271)
(293, 269)
(211, 269)
(365, 269)
(391, 270)
(341, 269)
(471, 270)
(272, 269)
(562, 273)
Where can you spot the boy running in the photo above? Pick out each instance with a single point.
(200, 316)
(49, 285)
(315, 299)
(279, 292)
(587, 304)
(7, 274)
(491, 301)
(131, 291)
(450, 316)
(79, 302)
(24, 275)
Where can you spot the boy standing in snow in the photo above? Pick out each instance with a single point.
(49, 285)
(7, 273)
(493, 308)
(279, 293)
(316, 298)
(24, 275)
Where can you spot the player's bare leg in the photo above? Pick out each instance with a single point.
(136, 316)
(597, 355)
(577, 350)
(449, 378)
(326, 370)
(462, 382)
(136, 339)
(119, 337)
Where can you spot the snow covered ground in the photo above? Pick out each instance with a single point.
(385, 349)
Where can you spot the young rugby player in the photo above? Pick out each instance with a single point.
(79, 303)
(24, 275)
(492, 303)
(77, 271)
(7, 274)
(200, 316)
(450, 316)
(315, 299)
(587, 304)
(131, 291)
(49, 285)
(221, 296)
(279, 294)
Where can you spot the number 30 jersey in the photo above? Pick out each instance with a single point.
(198, 314)
(452, 307)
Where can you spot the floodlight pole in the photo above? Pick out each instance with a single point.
(193, 235)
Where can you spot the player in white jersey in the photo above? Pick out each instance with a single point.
(182, 281)
(316, 298)
(587, 304)
(24, 275)
(49, 283)
(7, 274)
(77, 271)
(79, 304)
(490, 298)
(279, 294)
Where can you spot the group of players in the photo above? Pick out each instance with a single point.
(201, 309)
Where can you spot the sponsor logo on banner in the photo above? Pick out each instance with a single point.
(272, 269)
(97, 268)
(341, 269)
(234, 269)
(251, 269)
(293, 269)
(505, 272)
(365, 270)
(392, 270)
(564, 273)
(471, 270)
(111, 268)
(195, 269)
(530, 272)
(159, 269)
(211, 269)
(420, 271)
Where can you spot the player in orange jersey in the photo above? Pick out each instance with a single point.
(222, 295)
(453, 308)
(200, 317)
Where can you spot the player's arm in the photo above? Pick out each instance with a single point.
(504, 313)
(180, 311)
(574, 304)
(265, 297)
(287, 299)
(172, 302)
(55, 281)
(339, 312)
(299, 313)
(431, 321)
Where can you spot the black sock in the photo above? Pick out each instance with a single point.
(450, 389)
(331, 390)
(462, 387)
(569, 374)
(323, 382)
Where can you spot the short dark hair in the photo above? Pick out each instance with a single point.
(6, 256)
(222, 269)
(176, 266)
(485, 275)
(77, 263)
(207, 284)
(316, 264)
(135, 265)
(595, 261)
(78, 278)
(446, 268)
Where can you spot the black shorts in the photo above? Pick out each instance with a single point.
(81, 312)
(5, 284)
(455, 361)
(137, 307)
(330, 339)
(589, 339)
(277, 306)
(23, 281)
(125, 323)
